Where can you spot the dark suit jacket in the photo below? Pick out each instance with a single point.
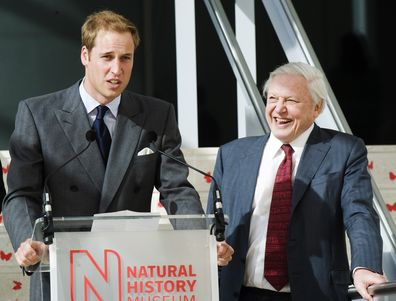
(50, 129)
(331, 193)
(2, 191)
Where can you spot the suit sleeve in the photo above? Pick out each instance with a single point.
(22, 204)
(177, 195)
(360, 219)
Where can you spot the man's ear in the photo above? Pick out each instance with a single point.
(319, 106)
(84, 55)
(318, 109)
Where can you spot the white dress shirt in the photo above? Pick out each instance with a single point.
(90, 104)
(271, 159)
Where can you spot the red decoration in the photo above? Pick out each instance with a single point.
(207, 178)
(5, 256)
(391, 207)
(5, 169)
(371, 165)
(17, 285)
(392, 176)
(1, 219)
(159, 204)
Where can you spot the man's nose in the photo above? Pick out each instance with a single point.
(280, 105)
(116, 67)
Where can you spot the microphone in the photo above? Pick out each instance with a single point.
(48, 225)
(220, 222)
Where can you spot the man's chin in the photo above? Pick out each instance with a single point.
(111, 94)
(282, 136)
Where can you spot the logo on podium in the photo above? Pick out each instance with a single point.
(97, 278)
(91, 278)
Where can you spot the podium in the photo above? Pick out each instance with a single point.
(131, 257)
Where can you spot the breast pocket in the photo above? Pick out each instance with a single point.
(324, 191)
(325, 179)
(328, 185)
(146, 158)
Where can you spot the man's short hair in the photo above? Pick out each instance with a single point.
(109, 21)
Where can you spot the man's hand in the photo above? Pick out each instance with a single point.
(224, 253)
(363, 278)
(30, 252)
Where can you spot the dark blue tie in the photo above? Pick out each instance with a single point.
(103, 137)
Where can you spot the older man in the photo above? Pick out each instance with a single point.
(291, 195)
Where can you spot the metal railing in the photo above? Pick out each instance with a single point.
(380, 292)
(236, 59)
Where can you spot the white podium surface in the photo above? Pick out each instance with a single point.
(142, 265)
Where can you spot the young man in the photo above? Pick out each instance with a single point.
(112, 174)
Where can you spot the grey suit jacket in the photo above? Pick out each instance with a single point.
(331, 194)
(50, 129)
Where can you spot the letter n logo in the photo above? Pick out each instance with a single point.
(92, 281)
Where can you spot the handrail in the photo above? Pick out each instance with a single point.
(236, 58)
(385, 289)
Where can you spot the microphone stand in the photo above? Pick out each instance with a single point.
(218, 212)
(48, 223)
(220, 223)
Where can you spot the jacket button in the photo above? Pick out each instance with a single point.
(73, 188)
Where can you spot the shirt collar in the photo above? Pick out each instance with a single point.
(298, 144)
(90, 103)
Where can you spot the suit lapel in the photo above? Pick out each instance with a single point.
(74, 121)
(311, 159)
(125, 140)
(249, 168)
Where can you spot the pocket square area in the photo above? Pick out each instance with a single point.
(145, 151)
